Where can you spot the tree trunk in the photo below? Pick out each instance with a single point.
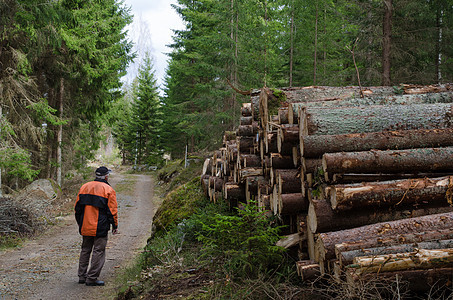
(419, 237)
(277, 161)
(246, 109)
(322, 218)
(232, 150)
(418, 259)
(249, 161)
(283, 115)
(1, 122)
(349, 178)
(216, 183)
(251, 185)
(246, 120)
(207, 167)
(308, 270)
(247, 172)
(347, 257)
(292, 204)
(287, 135)
(387, 42)
(288, 181)
(248, 130)
(290, 240)
(205, 184)
(414, 192)
(316, 145)
(291, 47)
(232, 190)
(391, 161)
(60, 132)
(374, 118)
(229, 136)
(325, 244)
(246, 144)
(315, 57)
(311, 165)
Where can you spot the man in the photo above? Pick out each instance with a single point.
(95, 210)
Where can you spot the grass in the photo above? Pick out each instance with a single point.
(10, 241)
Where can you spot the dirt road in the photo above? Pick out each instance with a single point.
(46, 267)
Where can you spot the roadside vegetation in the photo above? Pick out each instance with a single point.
(205, 250)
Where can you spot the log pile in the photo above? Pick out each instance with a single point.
(364, 185)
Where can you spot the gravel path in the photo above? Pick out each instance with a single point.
(46, 267)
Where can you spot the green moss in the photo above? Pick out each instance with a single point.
(275, 101)
(178, 205)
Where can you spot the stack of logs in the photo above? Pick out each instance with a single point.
(364, 184)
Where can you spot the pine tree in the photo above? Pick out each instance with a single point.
(146, 116)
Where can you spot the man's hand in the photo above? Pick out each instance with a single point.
(115, 231)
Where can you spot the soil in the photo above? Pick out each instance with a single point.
(46, 266)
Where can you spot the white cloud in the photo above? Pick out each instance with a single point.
(151, 31)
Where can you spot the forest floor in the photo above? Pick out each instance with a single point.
(45, 267)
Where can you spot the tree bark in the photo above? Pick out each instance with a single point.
(205, 184)
(325, 244)
(375, 118)
(287, 135)
(315, 146)
(251, 185)
(246, 120)
(248, 130)
(246, 144)
(60, 133)
(349, 178)
(278, 161)
(249, 161)
(288, 181)
(232, 190)
(322, 218)
(232, 150)
(419, 237)
(414, 192)
(247, 172)
(391, 161)
(311, 165)
(229, 136)
(347, 257)
(283, 115)
(418, 259)
(292, 204)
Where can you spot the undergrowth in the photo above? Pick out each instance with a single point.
(212, 253)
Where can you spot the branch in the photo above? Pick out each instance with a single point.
(355, 65)
(238, 90)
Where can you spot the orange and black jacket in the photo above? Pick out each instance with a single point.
(96, 208)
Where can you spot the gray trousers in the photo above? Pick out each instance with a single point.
(94, 247)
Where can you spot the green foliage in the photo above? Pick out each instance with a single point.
(16, 162)
(245, 242)
(46, 113)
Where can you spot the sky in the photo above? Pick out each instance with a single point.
(151, 31)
